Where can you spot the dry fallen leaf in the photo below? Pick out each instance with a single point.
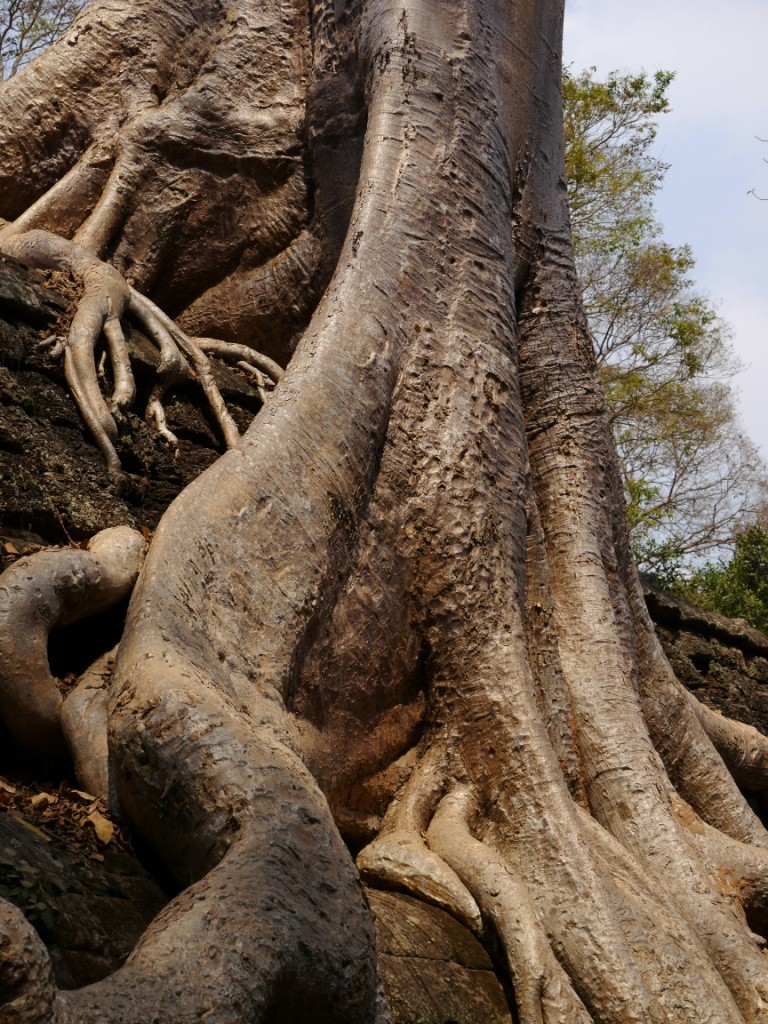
(89, 797)
(10, 549)
(102, 826)
(39, 798)
(6, 787)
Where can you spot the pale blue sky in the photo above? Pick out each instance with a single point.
(719, 104)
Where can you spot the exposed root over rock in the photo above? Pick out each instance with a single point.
(106, 298)
(742, 747)
(45, 590)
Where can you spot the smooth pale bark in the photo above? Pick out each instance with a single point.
(54, 588)
(403, 605)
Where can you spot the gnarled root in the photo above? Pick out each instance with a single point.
(543, 991)
(105, 300)
(27, 990)
(399, 857)
(84, 721)
(249, 935)
(704, 772)
(179, 351)
(242, 354)
(741, 746)
(275, 915)
(603, 906)
(264, 370)
(48, 589)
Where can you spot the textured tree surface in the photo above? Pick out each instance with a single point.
(399, 616)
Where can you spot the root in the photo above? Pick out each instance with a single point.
(99, 229)
(670, 947)
(738, 870)
(251, 933)
(106, 299)
(694, 765)
(241, 353)
(60, 208)
(742, 747)
(47, 589)
(399, 857)
(671, 966)
(265, 371)
(543, 991)
(27, 990)
(84, 721)
(161, 326)
(276, 914)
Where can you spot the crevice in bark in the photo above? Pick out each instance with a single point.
(75, 647)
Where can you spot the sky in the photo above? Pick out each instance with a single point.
(719, 103)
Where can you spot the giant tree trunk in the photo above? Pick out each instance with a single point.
(402, 608)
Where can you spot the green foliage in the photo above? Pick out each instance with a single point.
(691, 477)
(27, 27)
(739, 587)
(610, 127)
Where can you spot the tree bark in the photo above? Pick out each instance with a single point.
(402, 608)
